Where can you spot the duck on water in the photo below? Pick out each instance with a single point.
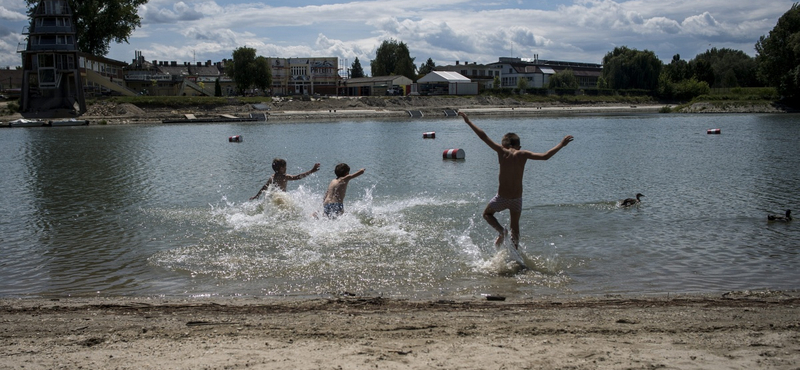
(785, 218)
(631, 201)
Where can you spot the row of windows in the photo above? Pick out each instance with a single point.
(54, 40)
(54, 7)
(480, 72)
(58, 61)
(53, 22)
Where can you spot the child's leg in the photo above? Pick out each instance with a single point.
(488, 215)
(514, 224)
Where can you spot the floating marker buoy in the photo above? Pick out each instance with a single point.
(453, 154)
(714, 131)
(235, 139)
(429, 135)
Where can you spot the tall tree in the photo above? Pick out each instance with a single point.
(356, 71)
(393, 58)
(626, 68)
(242, 68)
(427, 67)
(702, 71)
(778, 55)
(677, 70)
(262, 74)
(99, 22)
(730, 67)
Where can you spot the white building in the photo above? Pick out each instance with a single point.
(445, 83)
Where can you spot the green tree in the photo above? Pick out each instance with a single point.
(726, 63)
(522, 84)
(563, 80)
(241, 69)
(691, 88)
(602, 83)
(626, 68)
(677, 70)
(393, 58)
(778, 55)
(496, 82)
(356, 71)
(99, 22)
(702, 71)
(426, 68)
(217, 88)
(262, 74)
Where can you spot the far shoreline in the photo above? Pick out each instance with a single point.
(109, 112)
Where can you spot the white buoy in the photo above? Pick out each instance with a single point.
(714, 131)
(235, 139)
(453, 154)
(429, 135)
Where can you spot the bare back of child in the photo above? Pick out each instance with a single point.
(333, 203)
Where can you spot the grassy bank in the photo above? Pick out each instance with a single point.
(725, 99)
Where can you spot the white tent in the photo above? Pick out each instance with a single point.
(449, 77)
(445, 83)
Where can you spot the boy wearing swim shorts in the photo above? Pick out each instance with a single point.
(333, 204)
(280, 178)
(512, 167)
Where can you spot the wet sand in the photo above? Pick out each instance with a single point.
(742, 330)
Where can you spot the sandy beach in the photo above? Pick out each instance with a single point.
(737, 330)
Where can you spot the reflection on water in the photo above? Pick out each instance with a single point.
(160, 209)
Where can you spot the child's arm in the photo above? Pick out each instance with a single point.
(353, 175)
(545, 156)
(304, 174)
(481, 134)
(263, 188)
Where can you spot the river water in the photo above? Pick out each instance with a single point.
(163, 210)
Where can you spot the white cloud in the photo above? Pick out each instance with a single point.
(180, 12)
(703, 24)
(12, 15)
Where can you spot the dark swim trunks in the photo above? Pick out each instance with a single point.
(333, 209)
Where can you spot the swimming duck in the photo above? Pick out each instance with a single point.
(785, 218)
(632, 202)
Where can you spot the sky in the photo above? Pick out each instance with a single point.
(445, 31)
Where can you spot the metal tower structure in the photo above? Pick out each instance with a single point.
(51, 81)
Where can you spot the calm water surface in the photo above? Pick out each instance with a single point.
(164, 210)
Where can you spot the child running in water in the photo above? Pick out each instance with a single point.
(512, 167)
(333, 204)
(280, 178)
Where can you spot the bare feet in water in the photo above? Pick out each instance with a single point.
(501, 238)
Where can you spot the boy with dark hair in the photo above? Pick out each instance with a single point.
(332, 204)
(512, 167)
(280, 178)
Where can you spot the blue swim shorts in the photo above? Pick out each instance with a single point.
(333, 209)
